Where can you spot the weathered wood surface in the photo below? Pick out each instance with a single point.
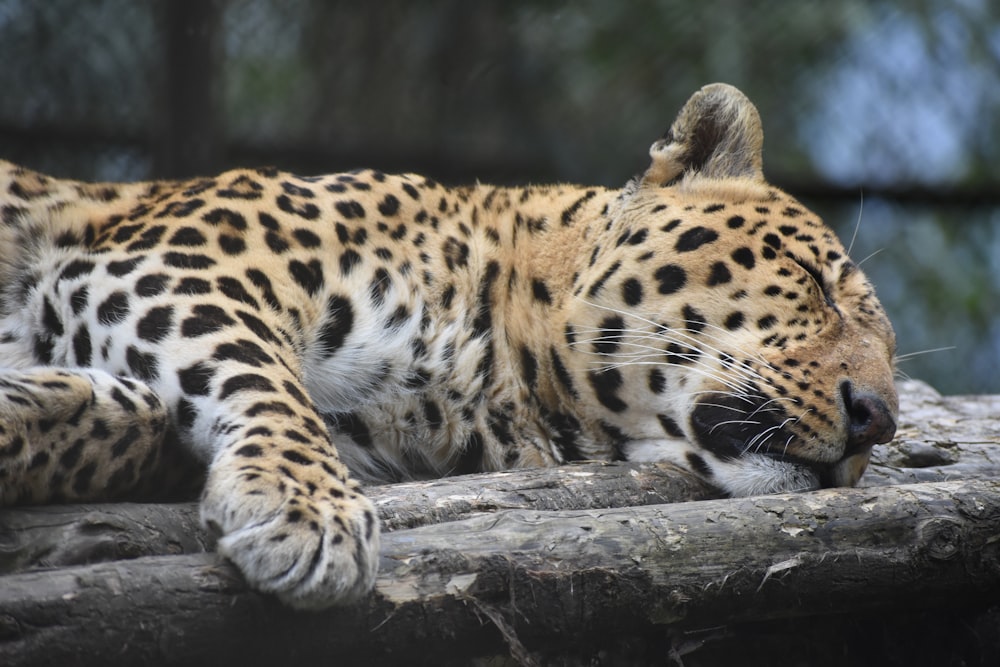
(521, 562)
(526, 576)
(59, 535)
(939, 439)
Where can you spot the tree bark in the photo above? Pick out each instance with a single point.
(544, 564)
(520, 577)
(60, 535)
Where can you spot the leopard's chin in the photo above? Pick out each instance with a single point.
(760, 474)
(848, 470)
(757, 474)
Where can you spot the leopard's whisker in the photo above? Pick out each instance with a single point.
(870, 256)
(857, 224)
(621, 339)
(649, 352)
(660, 326)
(899, 358)
(701, 372)
(737, 377)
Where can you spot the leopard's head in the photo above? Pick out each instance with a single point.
(723, 326)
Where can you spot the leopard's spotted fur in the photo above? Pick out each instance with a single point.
(279, 331)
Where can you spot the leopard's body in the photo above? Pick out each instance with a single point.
(285, 333)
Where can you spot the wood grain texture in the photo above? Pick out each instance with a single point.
(583, 560)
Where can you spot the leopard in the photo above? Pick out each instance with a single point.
(271, 342)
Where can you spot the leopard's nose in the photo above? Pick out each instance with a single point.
(870, 421)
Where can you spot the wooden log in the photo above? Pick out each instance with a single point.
(940, 438)
(521, 579)
(60, 535)
(514, 565)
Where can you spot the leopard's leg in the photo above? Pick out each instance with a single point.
(76, 435)
(286, 510)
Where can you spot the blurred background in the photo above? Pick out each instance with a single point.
(884, 117)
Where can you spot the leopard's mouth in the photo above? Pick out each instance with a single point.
(843, 472)
(731, 427)
(739, 427)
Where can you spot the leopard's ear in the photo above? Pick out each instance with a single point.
(716, 135)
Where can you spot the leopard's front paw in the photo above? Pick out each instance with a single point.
(311, 547)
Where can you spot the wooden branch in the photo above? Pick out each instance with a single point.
(61, 535)
(939, 438)
(449, 592)
(591, 485)
(574, 554)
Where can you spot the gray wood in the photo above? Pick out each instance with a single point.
(504, 563)
(523, 576)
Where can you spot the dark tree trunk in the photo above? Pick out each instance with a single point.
(188, 142)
